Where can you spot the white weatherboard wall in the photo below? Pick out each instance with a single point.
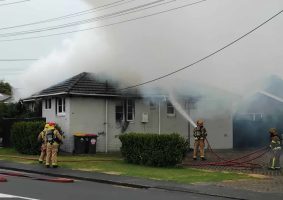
(219, 127)
(62, 120)
(87, 115)
(169, 124)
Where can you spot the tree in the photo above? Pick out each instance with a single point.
(5, 88)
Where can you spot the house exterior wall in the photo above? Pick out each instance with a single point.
(62, 120)
(219, 126)
(88, 115)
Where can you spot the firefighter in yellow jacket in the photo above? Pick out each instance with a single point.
(275, 145)
(53, 139)
(199, 135)
(41, 139)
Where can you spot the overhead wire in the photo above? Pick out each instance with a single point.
(107, 25)
(20, 59)
(16, 2)
(91, 20)
(75, 14)
(206, 57)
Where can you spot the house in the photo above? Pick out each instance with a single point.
(85, 104)
(259, 112)
(4, 98)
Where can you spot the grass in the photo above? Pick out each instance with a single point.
(114, 164)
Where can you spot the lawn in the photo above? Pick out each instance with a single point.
(114, 164)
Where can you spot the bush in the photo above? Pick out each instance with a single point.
(153, 149)
(24, 136)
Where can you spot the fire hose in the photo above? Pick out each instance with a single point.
(240, 162)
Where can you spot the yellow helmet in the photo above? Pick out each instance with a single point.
(273, 131)
(200, 122)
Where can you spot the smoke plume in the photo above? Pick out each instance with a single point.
(141, 50)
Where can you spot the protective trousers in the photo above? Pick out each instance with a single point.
(51, 154)
(274, 162)
(199, 145)
(42, 153)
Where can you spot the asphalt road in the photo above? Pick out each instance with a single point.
(26, 188)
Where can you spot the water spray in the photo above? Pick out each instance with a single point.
(181, 110)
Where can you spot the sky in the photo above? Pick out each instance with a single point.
(134, 49)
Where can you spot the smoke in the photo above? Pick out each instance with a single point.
(141, 50)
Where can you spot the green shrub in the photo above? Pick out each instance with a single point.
(24, 136)
(153, 149)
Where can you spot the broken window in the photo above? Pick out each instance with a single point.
(170, 108)
(119, 112)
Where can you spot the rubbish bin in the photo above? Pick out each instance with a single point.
(92, 140)
(80, 144)
(85, 143)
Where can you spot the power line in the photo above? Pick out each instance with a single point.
(99, 8)
(16, 2)
(107, 16)
(107, 25)
(206, 57)
(14, 60)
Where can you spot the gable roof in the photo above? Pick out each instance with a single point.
(83, 84)
(4, 97)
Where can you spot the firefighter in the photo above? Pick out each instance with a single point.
(275, 145)
(199, 135)
(41, 139)
(53, 139)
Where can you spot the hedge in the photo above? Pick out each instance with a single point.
(24, 136)
(153, 149)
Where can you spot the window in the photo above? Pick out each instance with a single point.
(119, 112)
(170, 108)
(130, 110)
(60, 106)
(47, 103)
(152, 105)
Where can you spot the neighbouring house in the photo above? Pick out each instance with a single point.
(259, 112)
(4, 98)
(85, 104)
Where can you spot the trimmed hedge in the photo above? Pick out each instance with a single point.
(153, 149)
(24, 136)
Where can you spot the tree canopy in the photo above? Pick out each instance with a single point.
(5, 88)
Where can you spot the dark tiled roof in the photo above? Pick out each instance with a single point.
(81, 84)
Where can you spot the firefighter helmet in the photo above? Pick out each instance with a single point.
(273, 131)
(51, 123)
(200, 122)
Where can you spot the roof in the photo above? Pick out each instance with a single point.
(4, 97)
(83, 84)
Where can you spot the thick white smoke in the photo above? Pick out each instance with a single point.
(144, 49)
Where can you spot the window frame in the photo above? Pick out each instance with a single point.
(131, 108)
(121, 113)
(60, 106)
(169, 106)
(48, 104)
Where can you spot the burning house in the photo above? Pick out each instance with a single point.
(85, 104)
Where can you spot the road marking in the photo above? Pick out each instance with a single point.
(12, 196)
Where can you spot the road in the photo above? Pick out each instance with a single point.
(26, 188)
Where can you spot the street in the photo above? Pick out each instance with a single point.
(25, 188)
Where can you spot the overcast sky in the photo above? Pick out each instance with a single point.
(143, 49)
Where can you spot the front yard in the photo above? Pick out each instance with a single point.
(114, 164)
